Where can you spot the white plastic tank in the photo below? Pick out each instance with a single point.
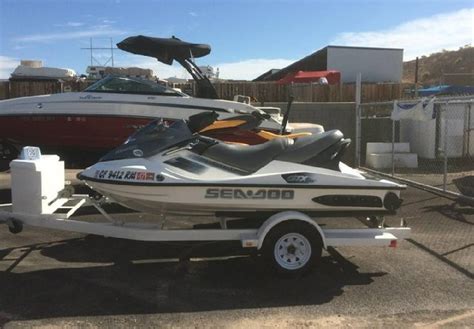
(36, 181)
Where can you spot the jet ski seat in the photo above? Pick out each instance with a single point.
(247, 158)
(322, 150)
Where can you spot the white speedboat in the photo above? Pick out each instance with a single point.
(102, 116)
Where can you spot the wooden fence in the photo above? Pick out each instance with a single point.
(272, 92)
(20, 88)
(258, 91)
(4, 89)
(31, 87)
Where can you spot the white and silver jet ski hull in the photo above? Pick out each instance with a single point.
(155, 186)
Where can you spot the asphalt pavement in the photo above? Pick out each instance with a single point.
(55, 279)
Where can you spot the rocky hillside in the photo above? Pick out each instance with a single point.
(432, 67)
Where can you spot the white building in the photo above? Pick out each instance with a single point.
(209, 72)
(375, 64)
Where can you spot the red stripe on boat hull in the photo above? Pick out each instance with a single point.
(81, 132)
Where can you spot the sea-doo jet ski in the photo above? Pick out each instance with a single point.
(173, 169)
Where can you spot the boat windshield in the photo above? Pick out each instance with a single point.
(155, 137)
(125, 85)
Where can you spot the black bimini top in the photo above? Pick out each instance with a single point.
(167, 50)
(164, 49)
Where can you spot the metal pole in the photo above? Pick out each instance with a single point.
(393, 148)
(112, 51)
(358, 118)
(416, 78)
(445, 174)
(91, 52)
(467, 133)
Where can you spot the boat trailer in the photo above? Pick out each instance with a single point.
(40, 198)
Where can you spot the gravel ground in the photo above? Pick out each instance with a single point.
(57, 279)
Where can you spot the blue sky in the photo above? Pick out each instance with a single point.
(247, 37)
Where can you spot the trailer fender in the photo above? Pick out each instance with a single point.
(285, 216)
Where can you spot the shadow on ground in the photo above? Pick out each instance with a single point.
(143, 278)
(452, 211)
(455, 212)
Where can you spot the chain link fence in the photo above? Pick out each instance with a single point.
(435, 148)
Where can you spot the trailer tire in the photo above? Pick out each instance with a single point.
(8, 152)
(292, 248)
(15, 226)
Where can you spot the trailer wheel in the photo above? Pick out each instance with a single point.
(14, 226)
(8, 152)
(292, 248)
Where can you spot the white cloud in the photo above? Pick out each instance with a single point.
(70, 24)
(7, 65)
(106, 32)
(74, 24)
(192, 13)
(100, 27)
(418, 37)
(251, 68)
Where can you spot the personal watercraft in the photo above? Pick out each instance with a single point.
(174, 169)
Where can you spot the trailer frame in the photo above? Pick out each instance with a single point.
(249, 238)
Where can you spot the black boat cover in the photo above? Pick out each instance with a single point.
(164, 49)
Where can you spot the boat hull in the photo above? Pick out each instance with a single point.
(90, 121)
(84, 132)
(237, 200)
(93, 122)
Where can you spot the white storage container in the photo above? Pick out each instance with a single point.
(36, 183)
